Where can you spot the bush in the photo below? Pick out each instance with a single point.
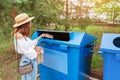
(84, 22)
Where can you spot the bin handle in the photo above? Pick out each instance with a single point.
(118, 56)
(92, 51)
(47, 43)
(43, 41)
(100, 52)
(63, 47)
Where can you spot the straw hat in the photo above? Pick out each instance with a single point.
(22, 19)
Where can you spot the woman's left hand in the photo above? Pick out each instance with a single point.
(39, 50)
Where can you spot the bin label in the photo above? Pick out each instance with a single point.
(55, 60)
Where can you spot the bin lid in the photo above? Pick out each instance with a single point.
(82, 39)
(110, 43)
(74, 39)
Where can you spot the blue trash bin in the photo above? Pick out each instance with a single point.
(67, 56)
(110, 50)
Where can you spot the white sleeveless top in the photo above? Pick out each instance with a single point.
(26, 46)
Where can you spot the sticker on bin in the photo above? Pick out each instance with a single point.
(55, 60)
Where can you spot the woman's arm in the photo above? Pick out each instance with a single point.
(41, 36)
(23, 47)
(45, 35)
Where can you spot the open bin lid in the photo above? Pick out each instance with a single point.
(74, 39)
(110, 43)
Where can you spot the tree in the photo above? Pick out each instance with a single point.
(7, 14)
(80, 16)
(5, 8)
(112, 7)
(48, 12)
(108, 6)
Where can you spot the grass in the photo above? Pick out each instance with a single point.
(5, 43)
(97, 61)
(6, 50)
(8, 62)
(2, 75)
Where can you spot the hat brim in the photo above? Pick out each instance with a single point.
(19, 24)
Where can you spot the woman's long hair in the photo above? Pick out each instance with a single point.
(23, 29)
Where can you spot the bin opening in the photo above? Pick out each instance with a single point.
(63, 36)
(116, 42)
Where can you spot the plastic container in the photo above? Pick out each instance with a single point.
(110, 50)
(67, 56)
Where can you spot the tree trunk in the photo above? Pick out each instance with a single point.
(66, 8)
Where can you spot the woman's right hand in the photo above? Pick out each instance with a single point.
(48, 35)
(45, 35)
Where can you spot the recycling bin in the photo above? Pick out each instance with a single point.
(67, 56)
(110, 50)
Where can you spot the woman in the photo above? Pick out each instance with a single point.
(24, 45)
